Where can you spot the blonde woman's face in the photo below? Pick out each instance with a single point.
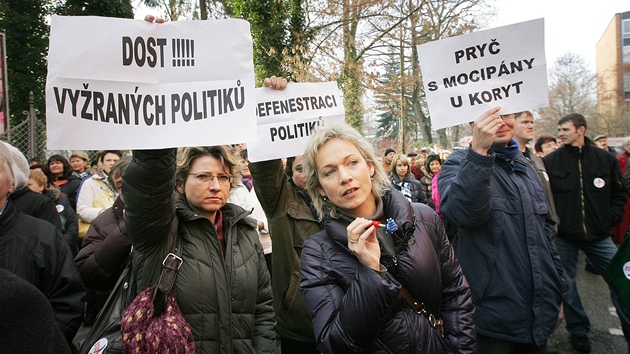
(345, 177)
(35, 186)
(401, 169)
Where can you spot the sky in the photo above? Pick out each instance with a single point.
(570, 25)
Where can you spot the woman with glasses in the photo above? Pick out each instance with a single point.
(223, 287)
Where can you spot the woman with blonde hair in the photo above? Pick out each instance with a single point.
(371, 290)
(403, 180)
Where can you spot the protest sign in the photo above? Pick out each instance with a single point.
(128, 84)
(287, 119)
(466, 75)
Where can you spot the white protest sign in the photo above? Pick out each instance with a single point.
(466, 75)
(129, 84)
(287, 119)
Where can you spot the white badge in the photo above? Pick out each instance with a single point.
(545, 175)
(599, 183)
(60, 208)
(99, 346)
(626, 270)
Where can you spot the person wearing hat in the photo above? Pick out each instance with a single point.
(34, 249)
(24, 199)
(80, 163)
(601, 141)
(412, 157)
(387, 163)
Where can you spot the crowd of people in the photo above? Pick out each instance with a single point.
(339, 250)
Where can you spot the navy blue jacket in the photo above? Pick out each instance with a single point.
(504, 244)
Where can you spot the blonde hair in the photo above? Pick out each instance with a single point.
(380, 182)
(39, 176)
(405, 161)
(186, 156)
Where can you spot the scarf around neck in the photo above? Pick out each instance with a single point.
(509, 152)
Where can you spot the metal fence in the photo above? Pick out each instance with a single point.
(29, 136)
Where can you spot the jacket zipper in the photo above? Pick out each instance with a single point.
(582, 193)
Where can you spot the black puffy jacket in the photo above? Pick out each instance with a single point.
(105, 249)
(356, 309)
(410, 188)
(35, 251)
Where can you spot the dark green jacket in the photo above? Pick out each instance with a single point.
(291, 222)
(227, 301)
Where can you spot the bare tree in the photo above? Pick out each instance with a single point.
(571, 90)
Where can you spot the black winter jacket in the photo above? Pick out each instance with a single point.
(588, 190)
(105, 249)
(356, 309)
(37, 205)
(34, 250)
(69, 218)
(410, 188)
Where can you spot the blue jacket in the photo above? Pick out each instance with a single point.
(504, 244)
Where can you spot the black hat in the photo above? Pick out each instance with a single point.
(389, 150)
(412, 153)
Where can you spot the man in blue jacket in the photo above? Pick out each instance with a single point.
(589, 195)
(494, 197)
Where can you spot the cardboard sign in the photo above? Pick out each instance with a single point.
(128, 84)
(466, 75)
(287, 119)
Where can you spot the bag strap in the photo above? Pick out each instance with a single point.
(421, 309)
(170, 266)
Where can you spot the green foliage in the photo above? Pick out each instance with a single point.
(268, 20)
(106, 8)
(26, 32)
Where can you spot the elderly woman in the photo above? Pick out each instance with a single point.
(403, 180)
(223, 287)
(367, 291)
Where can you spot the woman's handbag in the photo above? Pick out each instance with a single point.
(153, 322)
(105, 337)
(618, 273)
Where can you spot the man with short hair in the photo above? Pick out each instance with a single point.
(589, 195)
(503, 239)
(523, 134)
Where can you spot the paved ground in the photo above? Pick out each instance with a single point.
(596, 300)
(606, 336)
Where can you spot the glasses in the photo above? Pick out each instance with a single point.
(206, 177)
(507, 116)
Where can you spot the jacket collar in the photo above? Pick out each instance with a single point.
(394, 205)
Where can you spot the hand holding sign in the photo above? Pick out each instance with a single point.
(276, 83)
(502, 66)
(484, 130)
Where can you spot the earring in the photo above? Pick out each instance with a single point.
(325, 198)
